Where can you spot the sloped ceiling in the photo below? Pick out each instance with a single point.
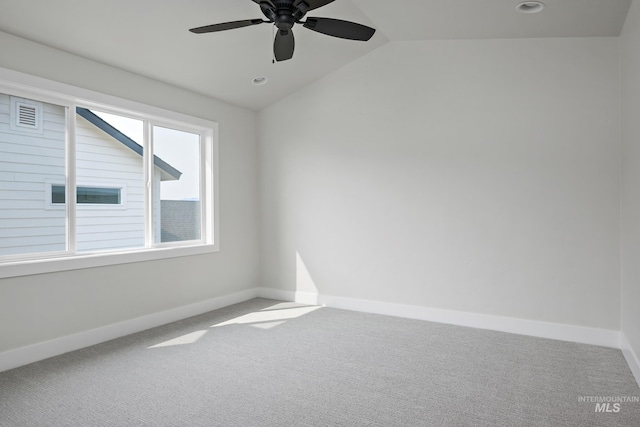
(150, 37)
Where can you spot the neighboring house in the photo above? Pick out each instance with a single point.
(180, 220)
(109, 175)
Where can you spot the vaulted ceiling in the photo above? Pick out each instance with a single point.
(150, 37)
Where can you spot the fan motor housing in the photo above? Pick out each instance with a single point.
(284, 18)
(285, 22)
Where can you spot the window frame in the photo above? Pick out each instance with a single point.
(42, 90)
(122, 188)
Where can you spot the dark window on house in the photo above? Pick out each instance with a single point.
(88, 195)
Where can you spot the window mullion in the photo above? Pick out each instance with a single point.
(71, 183)
(213, 182)
(208, 234)
(204, 188)
(148, 184)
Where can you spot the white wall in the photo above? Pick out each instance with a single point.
(38, 308)
(480, 176)
(630, 226)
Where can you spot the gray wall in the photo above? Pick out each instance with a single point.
(43, 307)
(480, 176)
(630, 228)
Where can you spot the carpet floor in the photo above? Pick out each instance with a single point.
(269, 363)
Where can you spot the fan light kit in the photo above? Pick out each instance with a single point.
(284, 14)
(530, 7)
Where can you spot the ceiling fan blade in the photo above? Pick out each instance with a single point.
(283, 45)
(264, 1)
(339, 28)
(313, 4)
(226, 26)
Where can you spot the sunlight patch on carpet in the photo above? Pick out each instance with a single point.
(189, 338)
(270, 316)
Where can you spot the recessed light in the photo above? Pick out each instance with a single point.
(259, 81)
(530, 7)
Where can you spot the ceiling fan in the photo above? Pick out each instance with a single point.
(284, 14)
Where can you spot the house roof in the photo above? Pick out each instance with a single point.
(169, 173)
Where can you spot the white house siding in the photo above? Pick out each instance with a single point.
(103, 161)
(30, 163)
(27, 161)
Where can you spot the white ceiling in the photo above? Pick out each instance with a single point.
(492, 19)
(150, 37)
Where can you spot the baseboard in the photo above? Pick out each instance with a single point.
(632, 358)
(557, 331)
(307, 298)
(299, 297)
(276, 294)
(608, 338)
(33, 353)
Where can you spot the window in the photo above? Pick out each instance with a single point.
(143, 181)
(110, 151)
(178, 212)
(88, 195)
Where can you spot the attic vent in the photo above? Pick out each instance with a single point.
(26, 115)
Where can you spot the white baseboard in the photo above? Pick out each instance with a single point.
(33, 353)
(535, 328)
(276, 294)
(307, 298)
(632, 358)
(557, 331)
(299, 297)
(608, 338)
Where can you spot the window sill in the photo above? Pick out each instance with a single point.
(78, 262)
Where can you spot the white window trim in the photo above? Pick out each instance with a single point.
(31, 87)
